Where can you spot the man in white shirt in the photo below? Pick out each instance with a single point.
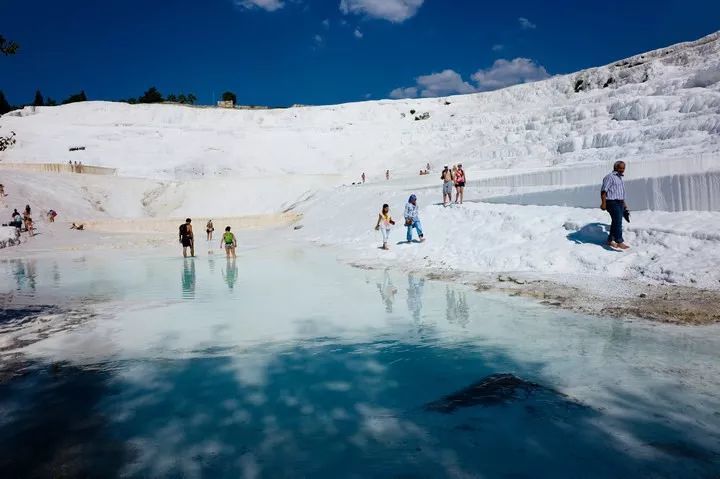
(612, 200)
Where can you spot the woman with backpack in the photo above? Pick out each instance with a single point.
(230, 243)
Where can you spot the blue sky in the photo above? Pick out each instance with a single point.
(279, 52)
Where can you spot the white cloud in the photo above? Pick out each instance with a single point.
(326, 23)
(318, 39)
(501, 74)
(497, 47)
(509, 72)
(526, 24)
(269, 5)
(410, 92)
(447, 82)
(396, 11)
(358, 33)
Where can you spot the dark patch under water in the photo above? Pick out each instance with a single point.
(495, 390)
(684, 450)
(52, 427)
(10, 315)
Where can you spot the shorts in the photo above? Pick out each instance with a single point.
(447, 187)
(460, 184)
(208, 231)
(229, 245)
(187, 242)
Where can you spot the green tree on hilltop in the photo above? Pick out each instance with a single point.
(4, 105)
(7, 47)
(39, 100)
(151, 96)
(229, 96)
(78, 97)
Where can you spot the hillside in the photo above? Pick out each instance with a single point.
(662, 104)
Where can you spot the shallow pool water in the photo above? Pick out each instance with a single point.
(285, 363)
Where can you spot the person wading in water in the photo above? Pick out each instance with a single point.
(187, 239)
(209, 230)
(230, 243)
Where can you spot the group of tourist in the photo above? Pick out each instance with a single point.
(186, 236)
(24, 221)
(75, 167)
(454, 177)
(612, 197)
(426, 171)
(612, 200)
(385, 222)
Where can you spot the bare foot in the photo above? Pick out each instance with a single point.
(612, 244)
(623, 246)
(422, 239)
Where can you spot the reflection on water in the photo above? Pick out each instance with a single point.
(24, 273)
(316, 377)
(457, 308)
(56, 274)
(387, 291)
(188, 278)
(414, 295)
(230, 273)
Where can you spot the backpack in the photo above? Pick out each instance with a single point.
(228, 238)
(183, 230)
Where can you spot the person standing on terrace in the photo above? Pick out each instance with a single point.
(448, 179)
(412, 219)
(612, 200)
(459, 184)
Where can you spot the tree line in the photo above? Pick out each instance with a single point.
(152, 95)
(39, 100)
